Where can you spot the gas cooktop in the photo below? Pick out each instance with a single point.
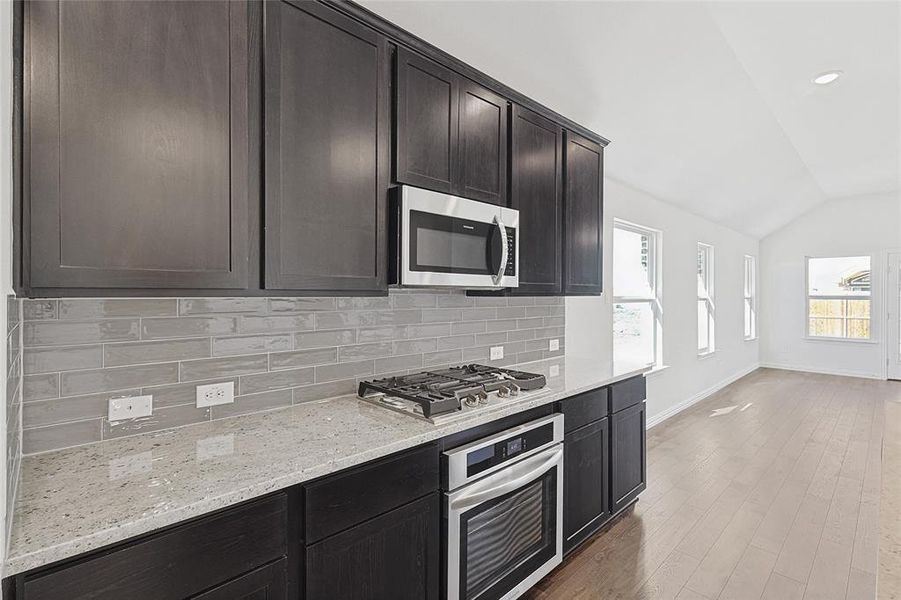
(439, 394)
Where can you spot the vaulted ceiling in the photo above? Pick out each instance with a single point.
(709, 106)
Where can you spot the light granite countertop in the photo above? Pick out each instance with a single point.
(80, 499)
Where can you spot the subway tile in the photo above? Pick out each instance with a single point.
(12, 312)
(62, 333)
(210, 306)
(500, 325)
(521, 301)
(324, 339)
(13, 391)
(51, 359)
(40, 387)
(378, 334)
(454, 301)
(456, 341)
(302, 358)
(441, 315)
(468, 327)
(252, 403)
(283, 305)
(276, 324)
(549, 300)
(64, 435)
(363, 318)
(550, 332)
(75, 383)
(529, 356)
(529, 323)
(511, 348)
(479, 354)
(343, 370)
(554, 322)
(212, 368)
(556, 311)
(364, 303)
(251, 344)
(491, 339)
(40, 310)
(415, 346)
(479, 314)
(182, 327)
(320, 391)
(554, 354)
(163, 418)
(134, 353)
(180, 393)
(363, 351)
(398, 363)
(442, 357)
(64, 410)
(428, 330)
(511, 312)
(276, 380)
(413, 301)
(496, 301)
(536, 345)
(537, 311)
(98, 308)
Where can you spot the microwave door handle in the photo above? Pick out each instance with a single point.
(503, 267)
(508, 486)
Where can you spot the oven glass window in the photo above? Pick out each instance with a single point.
(443, 244)
(505, 539)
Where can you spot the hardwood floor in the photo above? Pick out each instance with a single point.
(778, 499)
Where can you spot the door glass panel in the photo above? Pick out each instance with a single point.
(444, 244)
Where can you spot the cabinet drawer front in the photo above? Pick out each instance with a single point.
(266, 583)
(346, 499)
(583, 409)
(627, 393)
(178, 563)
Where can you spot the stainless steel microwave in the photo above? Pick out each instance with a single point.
(445, 241)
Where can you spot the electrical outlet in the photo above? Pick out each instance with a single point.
(215, 393)
(554, 345)
(130, 407)
(496, 353)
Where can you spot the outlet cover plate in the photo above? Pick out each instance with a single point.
(496, 353)
(214, 394)
(130, 407)
(554, 345)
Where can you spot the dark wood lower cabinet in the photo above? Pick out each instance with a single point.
(586, 496)
(628, 458)
(391, 557)
(266, 583)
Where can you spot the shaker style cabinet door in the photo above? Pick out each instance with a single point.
(137, 158)
(583, 211)
(587, 492)
(628, 470)
(428, 116)
(327, 114)
(536, 187)
(483, 145)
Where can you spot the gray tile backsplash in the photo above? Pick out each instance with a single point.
(79, 353)
(14, 368)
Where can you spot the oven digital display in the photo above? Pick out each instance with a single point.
(514, 446)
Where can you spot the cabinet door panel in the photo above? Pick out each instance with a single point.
(483, 145)
(137, 153)
(628, 455)
(583, 216)
(586, 501)
(326, 151)
(428, 97)
(536, 190)
(391, 556)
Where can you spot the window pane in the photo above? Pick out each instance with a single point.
(842, 276)
(839, 318)
(633, 333)
(632, 274)
(749, 319)
(826, 308)
(702, 271)
(703, 326)
(859, 329)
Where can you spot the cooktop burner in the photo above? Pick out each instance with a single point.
(446, 391)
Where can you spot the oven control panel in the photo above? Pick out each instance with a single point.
(482, 459)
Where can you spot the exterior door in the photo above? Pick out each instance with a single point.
(893, 317)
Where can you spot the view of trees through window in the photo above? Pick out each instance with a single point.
(839, 297)
(635, 305)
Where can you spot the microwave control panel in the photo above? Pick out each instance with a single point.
(511, 252)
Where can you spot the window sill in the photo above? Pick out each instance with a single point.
(752, 339)
(811, 338)
(656, 370)
(707, 354)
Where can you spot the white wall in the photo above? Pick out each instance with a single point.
(688, 377)
(844, 227)
(6, 69)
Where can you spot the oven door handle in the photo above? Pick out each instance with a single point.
(548, 462)
(503, 268)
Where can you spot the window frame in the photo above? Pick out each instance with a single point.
(655, 277)
(872, 297)
(749, 294)
(709, 299)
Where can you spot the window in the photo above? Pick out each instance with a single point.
(705, 299)
(750, 307)
(838, 298)
(636, 306)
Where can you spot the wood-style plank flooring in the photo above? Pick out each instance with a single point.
(778, 501)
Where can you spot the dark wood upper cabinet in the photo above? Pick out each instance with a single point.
(628, 455)
(327, 161)
(428, 116)
(536, 188)
(137, 152)
(583, 212)
(451, 132)
(587, 490)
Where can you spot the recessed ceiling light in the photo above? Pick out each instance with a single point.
(827, 77)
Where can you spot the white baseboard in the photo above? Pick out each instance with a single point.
(820, 371)
(674, 410)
